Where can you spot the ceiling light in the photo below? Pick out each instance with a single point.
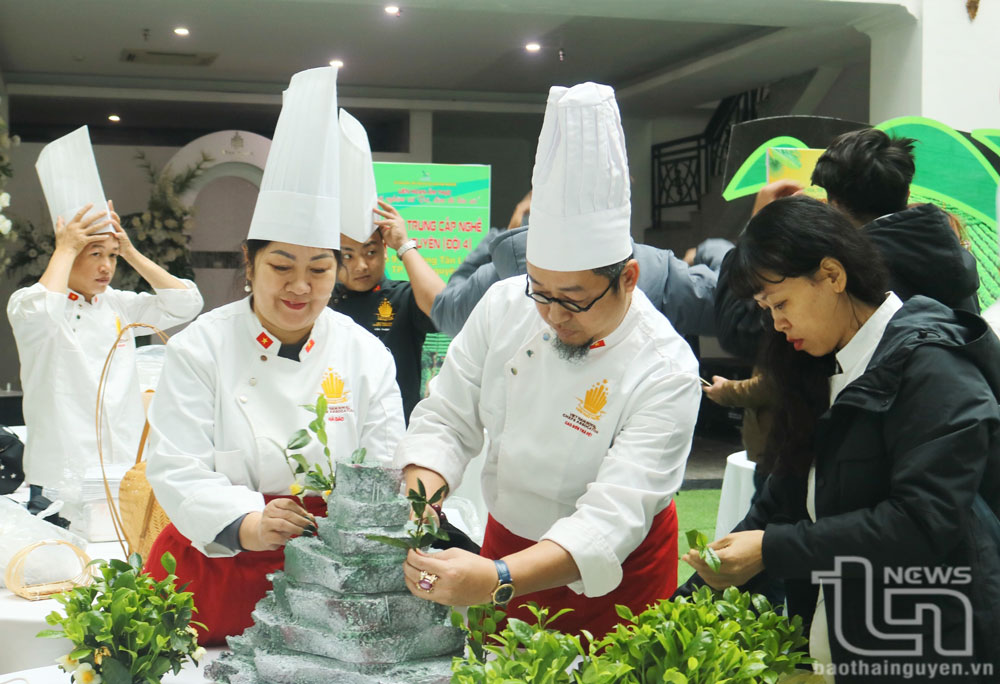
(181, 31)
(336, 63)
(532, 47)
(114, 117)
(392, 9)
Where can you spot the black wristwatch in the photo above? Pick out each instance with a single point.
(505, 585)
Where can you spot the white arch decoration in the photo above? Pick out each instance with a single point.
(234, 153)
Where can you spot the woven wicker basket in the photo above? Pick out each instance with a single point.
(138, 519)
(14, 578)
(142, 516)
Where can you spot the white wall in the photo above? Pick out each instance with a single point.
(943, 66)
(961, 65)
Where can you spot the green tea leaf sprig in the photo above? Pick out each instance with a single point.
(422, 529)
(698, 541)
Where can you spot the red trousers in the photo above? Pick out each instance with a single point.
(648, 574)
(225, 589)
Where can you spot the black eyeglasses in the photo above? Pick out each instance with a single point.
(569, 306)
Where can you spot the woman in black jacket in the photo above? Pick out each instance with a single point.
(887, 444)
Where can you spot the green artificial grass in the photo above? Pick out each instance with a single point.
(696, 510)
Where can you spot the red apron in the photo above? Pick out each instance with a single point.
(648, 574)
(225, 589)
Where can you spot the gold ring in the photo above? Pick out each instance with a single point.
(427, 580)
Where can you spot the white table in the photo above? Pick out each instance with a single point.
(21, 620)
(737, 490)
(51, 674)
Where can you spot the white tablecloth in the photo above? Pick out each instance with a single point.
(191, 674)
(737, 490)
(21, 620)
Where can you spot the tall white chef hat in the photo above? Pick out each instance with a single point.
(357, 180)
(68, 172)
(299, 200)
(580, 200)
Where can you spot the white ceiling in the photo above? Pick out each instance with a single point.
(663, 56)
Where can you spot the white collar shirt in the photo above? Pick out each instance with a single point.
(582, 453)
(62, 343)
(227, 404)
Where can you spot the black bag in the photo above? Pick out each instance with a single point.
(11, 461)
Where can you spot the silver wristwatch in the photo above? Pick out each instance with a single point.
(406, 247)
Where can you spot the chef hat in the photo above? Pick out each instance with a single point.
(580, 210)
(299, 200)
(357, 180)
(70, 181)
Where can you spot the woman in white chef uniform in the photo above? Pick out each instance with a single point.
(234, 382)
(67, 322)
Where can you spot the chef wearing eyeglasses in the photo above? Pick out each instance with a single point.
(587, 395)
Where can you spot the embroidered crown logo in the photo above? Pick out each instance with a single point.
(333, 388)
(593, 402)
(385, 312)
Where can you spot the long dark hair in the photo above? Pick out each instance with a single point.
(789, 238)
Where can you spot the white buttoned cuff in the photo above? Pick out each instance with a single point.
(600, 569)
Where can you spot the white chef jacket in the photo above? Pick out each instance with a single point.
(584, 453)
(227, 403)
(62, 343)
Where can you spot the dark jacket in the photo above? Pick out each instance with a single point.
(920, 250)
(900, 458)
(684, 294)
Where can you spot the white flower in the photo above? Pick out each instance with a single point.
(198, 654)
(67, 663)
(85, 674)
(4, 200)
(5, 225)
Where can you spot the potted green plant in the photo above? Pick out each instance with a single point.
(705, 639)
(125, 627)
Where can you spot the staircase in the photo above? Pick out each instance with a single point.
(687, 173)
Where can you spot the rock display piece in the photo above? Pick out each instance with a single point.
(340, 611)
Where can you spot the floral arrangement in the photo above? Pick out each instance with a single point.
(7, 233)
(125, 627)
(162, 232)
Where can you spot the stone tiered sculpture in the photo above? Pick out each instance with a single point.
(340, 611)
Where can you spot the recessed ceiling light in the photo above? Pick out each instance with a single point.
(337, 63)
(114, 117)
(392, 9)
(181, 31)
(532, 47)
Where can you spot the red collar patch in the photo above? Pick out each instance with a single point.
(597, 345)
(377, 288)
(73, 296)
(264, 341)
(310, 344)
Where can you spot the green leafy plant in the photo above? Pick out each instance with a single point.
(534, 654)
(125, 627)
(736, 638)
(481, 622)
(705, 639)
(423, 529)
(698, 541)
(314, 477)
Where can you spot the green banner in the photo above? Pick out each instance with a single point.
(446, 207)
(447, 211)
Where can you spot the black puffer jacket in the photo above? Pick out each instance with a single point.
(901, 456)
(920, 250)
